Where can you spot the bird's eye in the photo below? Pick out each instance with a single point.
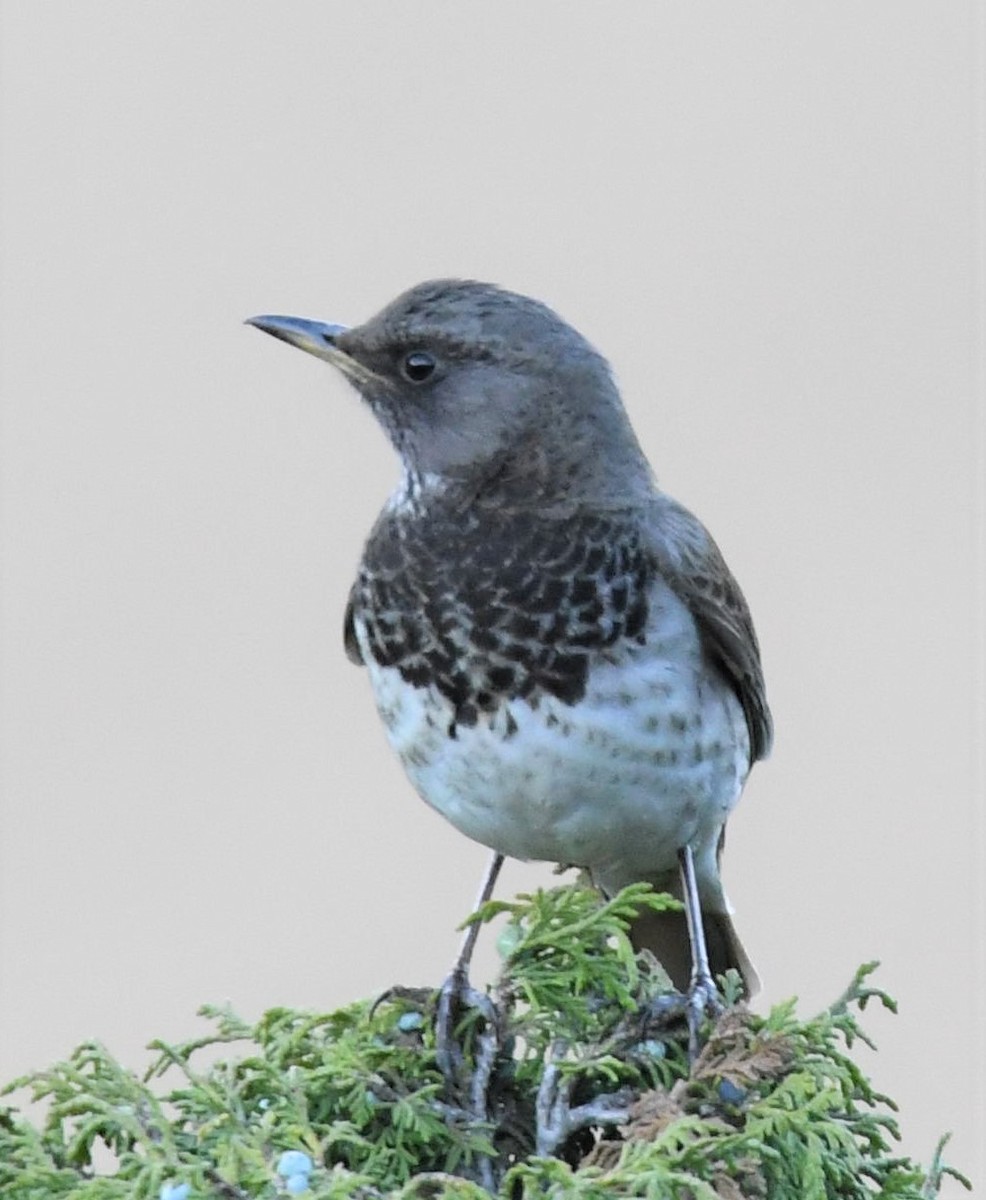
(417, 366)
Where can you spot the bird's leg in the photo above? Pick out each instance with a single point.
(461, 968)
(456, 991)
(702, 992)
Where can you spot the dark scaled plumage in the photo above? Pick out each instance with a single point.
(522, 613)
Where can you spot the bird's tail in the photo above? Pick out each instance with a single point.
(665, 935)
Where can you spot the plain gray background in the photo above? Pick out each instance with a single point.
(766, 215)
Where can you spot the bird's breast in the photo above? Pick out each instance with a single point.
(611, 765)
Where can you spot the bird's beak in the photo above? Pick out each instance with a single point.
(315, 337)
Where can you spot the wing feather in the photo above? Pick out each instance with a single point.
(349, 639)
(693, 565)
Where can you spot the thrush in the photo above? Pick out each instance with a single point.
(562, 660)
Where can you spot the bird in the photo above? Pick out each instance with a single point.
(561, 658)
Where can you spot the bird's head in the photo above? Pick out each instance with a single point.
(474, 384)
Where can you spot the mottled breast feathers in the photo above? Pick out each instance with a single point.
(488, 607)
(507, 607)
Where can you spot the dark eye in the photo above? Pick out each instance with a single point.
(417, 366)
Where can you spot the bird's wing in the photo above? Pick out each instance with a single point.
(693, 565)
(353, 652)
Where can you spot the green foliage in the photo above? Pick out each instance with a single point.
(572, 1080)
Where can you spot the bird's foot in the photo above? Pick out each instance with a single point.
(468, 1076)
(456, 997)
(702, 998)
(418, 996)
(456, 994)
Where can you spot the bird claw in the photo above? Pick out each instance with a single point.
(702, 998)
(665, 1009)
(455, 994)
(418, 996)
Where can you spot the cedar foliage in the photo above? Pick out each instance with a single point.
(573, 1081)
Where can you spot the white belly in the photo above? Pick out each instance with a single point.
(654, 756)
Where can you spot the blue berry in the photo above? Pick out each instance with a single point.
(296, 1184)
(510, 938)
(729, 1093)
(294, 1162)
(409, 1021)
(175, 1191)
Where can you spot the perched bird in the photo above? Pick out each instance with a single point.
(561, 657)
